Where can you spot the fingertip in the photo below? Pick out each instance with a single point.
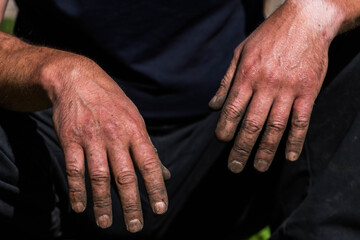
(236, 166)
(78, 207)
(261, 165)
(217, 102)
(104, 221)
(224, 135)
(292, 156)
(160, 208)
(165, 172)
(134, 225)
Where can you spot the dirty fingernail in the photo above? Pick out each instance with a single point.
(134, 225)
(78, 207)
(213, 100)
(160, 208)
(165, 172)
(235, 166)
(261, 165)
(104, 221)
(292, 156)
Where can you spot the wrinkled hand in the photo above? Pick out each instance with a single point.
(275, 74)
(95, 120)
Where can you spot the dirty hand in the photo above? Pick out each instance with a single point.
(275, 74)
(96, 121)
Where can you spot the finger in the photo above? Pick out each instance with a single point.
(218, 100)
(165, 172)
(249, 131)
(299, 125)
(100, 184)
(75, 171)
(150, 168)
(233, 111)
(127, 185)
(275, 127)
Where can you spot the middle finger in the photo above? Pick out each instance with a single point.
(100, 184)
(249, 131)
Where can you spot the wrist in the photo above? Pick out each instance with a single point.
(58, 72)
(334, 17)
(323, 17)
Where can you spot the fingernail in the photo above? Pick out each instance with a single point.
(261, 165)
(292, 156)
(213, 100)
(104, 221)
(160, 208)
(134, 225)
(78, 207)
(235, 166)
(165, 172)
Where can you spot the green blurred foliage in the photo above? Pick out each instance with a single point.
(7, 25)
(262, 235)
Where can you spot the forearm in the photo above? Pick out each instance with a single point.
(339, 16)
(352, 13)
(30, 75)
(20, 70)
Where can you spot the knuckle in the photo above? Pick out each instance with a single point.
(277, 127)
(126, 177)
(300, 122)
(294, 142)
(104, 202)
(100, 177)
(70, 134)
(110, 129)
(90, 130)
(241, 150)
(232, 112)
(151, 165)
(251, 126)
(131, 208)
(249, 69)
(156, 189)
(267, 148)
(73, 171)
(75, 191)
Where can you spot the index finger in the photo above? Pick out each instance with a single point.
(150, 167)
(233, 111)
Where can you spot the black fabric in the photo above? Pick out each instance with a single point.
(330, 209)
(313, 198)
(316, 197)
(200, 182)
(162, 53)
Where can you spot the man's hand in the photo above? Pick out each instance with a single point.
(95, 120)
(275, 75)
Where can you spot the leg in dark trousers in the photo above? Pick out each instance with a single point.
(331, 207)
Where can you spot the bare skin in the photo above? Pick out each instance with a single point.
(275, 77)
(94, 120)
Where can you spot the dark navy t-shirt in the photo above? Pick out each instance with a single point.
(167, 55)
